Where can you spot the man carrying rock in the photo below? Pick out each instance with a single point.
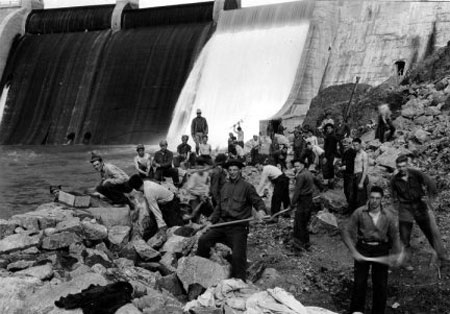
(374, 230)
(236, 200)
(272, 174)
(114, 181)
(161, 202)
(412, 205)
(199, 128)
(163, 162)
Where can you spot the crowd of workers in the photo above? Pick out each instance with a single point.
(218, 192)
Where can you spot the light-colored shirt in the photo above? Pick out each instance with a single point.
(198, 184)
(313, 140)
(269, 173)
(113, 174)
(204, 149)
(142, 163)
(157, 194)
(240, 135)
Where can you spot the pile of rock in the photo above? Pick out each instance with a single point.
(57, 250)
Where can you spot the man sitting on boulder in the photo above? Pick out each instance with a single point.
(163, 163)
(236, 200)
(114, 181)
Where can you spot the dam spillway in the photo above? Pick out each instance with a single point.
(70, 73)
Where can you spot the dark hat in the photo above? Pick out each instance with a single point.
(328, 124)
(95, 157)
(234, 162)
(220, 159)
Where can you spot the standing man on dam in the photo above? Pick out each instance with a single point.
(199, 128)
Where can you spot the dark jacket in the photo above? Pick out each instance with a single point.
(236, 201)
(164, 158)
(304, 185)
(218, 179)
(330, 146)
(412, 190)
(199, 125)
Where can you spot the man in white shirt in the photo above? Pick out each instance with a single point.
(272, 174)
(161, 201)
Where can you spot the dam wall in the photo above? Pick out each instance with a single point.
(349, 38)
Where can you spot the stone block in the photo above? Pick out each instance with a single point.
(71, 225)
(145, 251)
(60, 240)
(199, 270)
(91, 230)
(16, 242)
(42, 272)
(7, 227)
(118, 236)
(178, 245)
(111, 216)
(128, 309)
(19, 265)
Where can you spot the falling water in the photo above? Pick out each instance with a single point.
(246, 70)
(3, 98)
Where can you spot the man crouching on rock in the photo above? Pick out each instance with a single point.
(375, 231)
(114, 181)
(237, 197)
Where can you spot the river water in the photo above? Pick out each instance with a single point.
(26, 172)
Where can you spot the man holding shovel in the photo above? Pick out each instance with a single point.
(374, 230)
(237, 197)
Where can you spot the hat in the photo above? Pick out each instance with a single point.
(199, 111)
(140, 146)
(220, 159)
(327, 125)
(234, 162)
(95, 157)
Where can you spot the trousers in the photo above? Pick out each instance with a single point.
(233, 236)
(280, 194)
(302, 218)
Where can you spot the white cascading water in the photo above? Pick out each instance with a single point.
(3, 98)
(245, 71)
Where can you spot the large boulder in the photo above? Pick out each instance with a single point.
(60, 240)
(334, 201)
(91, 230)
(199, 270)
(16, 242)
(7, 227)
(145, 251)
(414, 108)
(389, 155)
(118, 236)
(41, 272)
(111, 216)
(13, 293)
(45, 216)
(178, 245)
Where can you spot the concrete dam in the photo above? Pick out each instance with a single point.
(121, 74)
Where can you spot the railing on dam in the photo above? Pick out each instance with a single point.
(10, 3)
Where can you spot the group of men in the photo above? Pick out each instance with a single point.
(371, 234)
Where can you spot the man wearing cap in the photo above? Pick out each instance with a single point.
(237, 197)
(163, 163)
(114, 181)
(142, 162)
(199, 127)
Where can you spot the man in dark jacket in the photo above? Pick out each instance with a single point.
(199, 128)
(163, 163)
(237, 197)
(218, 178)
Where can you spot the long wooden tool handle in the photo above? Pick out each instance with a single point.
(229, 223)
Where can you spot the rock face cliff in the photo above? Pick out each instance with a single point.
(369, 39)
